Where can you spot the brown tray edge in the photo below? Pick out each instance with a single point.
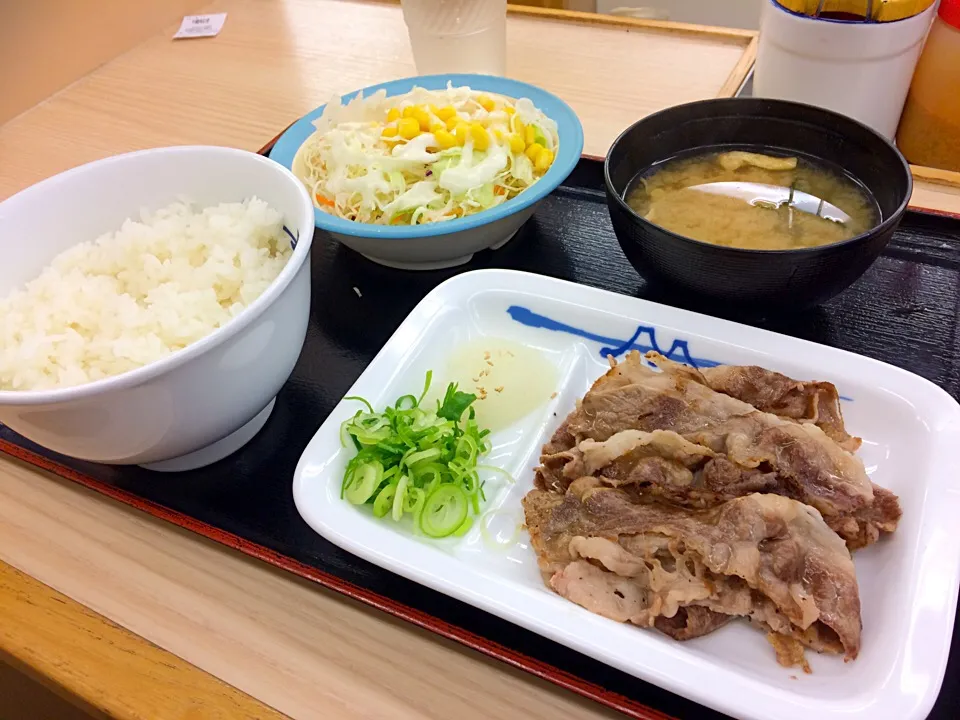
(332, 582)
(735, 35)
(943, 179)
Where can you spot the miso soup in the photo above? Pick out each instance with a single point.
(756, 201)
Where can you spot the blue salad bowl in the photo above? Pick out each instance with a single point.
(450, 242)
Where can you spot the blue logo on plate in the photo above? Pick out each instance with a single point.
(644, 339)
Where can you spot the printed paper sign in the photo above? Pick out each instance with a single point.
(194, 26)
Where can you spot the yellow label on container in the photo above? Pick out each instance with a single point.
(880, 10)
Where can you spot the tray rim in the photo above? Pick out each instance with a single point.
(515, 659)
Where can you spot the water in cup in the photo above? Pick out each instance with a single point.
(448, 36)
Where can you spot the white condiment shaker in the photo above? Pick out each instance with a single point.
(858, 68)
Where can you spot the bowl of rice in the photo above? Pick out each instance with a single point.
(152, 304)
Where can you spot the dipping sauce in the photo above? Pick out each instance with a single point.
(510, 380)
(754, 201)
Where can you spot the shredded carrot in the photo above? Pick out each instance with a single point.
(325, 201)
(500, 190)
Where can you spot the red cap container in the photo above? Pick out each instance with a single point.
(949, 12)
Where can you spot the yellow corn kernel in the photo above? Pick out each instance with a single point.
(422, 117)
(486, 102)
(517, 124)
(533, 152)
(481, 138)
(393, 114)
(461, 132)
(530, 135)
(389, 131)
(444, 139)
(437, 127)
(498, 135)
(408, 128)
(517, 145)
(409, 110)
(452, 122)
(508, 110)
(543, 160)
(444, 113)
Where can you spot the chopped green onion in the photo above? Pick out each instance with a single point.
(400, 497)
(413, 503)
(428, 474)
(467, 450)
(426, 386)
(444, 511)
(416, 457)
(494, 468)
(384, 502)
(364, 481)
(407, 402)
(412, 460)
(360, 399)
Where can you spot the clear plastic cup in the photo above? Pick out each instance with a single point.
(451, 36)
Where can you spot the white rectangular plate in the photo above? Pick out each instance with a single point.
(910, 430)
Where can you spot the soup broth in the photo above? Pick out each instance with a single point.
(754, 201)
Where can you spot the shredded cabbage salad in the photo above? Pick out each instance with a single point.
(426, 156)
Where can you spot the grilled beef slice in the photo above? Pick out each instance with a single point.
(763, 557)
(669, 436)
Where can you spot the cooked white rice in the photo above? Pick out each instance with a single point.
(136, 295)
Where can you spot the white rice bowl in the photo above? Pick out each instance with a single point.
(134, 296)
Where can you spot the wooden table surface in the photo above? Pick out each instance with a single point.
(275, 60)
(130, 617)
